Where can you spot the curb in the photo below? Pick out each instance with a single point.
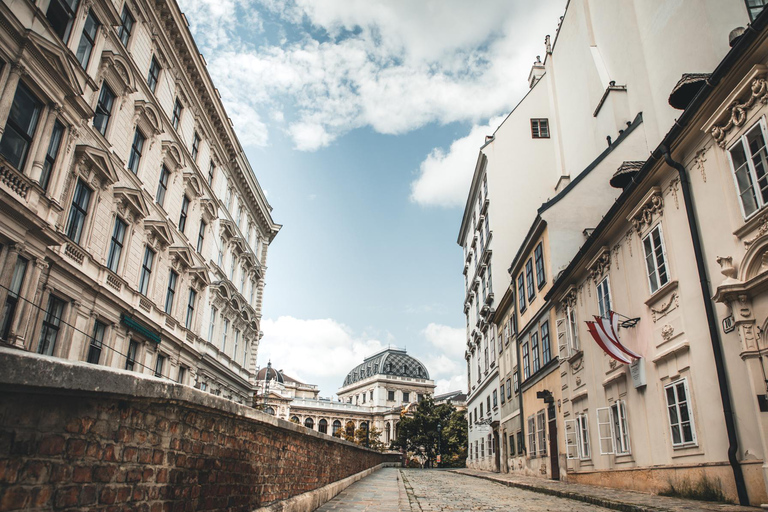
(592, 500)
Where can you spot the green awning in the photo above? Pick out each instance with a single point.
(140, 328)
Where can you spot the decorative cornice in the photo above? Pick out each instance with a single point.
(652, 204)
(600, 265)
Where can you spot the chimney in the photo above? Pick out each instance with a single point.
(537, 71)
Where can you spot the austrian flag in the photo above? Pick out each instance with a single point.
(605, 331)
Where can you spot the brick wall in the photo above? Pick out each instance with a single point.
(95, 439)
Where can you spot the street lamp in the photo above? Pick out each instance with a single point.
(439, 443)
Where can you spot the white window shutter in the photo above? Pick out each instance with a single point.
(605, 432)
(571, 440)
(562, 328)
(624, 427)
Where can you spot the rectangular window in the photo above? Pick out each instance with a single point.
(159, 363)
(195, 147)
(495, 399)
(655, 259)
(146, 271)
(12, 299)
(136, 147)
(162, 185)
(612, 429)
(153, 75)
(51, 324)
(502, 395)
(78, 211)
(572, 329)
(211, 170)
(515, 385)
(224, 335)
(170, 293)
(680, 419)
(20, 127)
(97, 342)
(228, 199)
(541, 432)
(116, 245)
(51, 154)
(126, 26)
(521, 292)
(183, 214)
(237, 343)
(182, 374)
(582, 425)
(529, 278)
(201, 236)
(540, 128)
(511, 444)
(538, 256)
(87, 40)
(61, 15)
(390, 395)
(755, 7)
(526, 362)
(104, 109)
(535, 351)
(212, 326)
(532, 435)
(546, 350)
(604, 298)
(130, 359)
(749, 163)
(177, 108)
(190, 308)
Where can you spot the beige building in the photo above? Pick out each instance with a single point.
(134, 233)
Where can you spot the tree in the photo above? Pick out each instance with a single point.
(371, 437)
(420, 435)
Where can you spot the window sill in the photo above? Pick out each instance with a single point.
(658, 294)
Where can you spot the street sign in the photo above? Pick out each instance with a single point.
(728, 324)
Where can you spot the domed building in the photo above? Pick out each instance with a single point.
(373, 393)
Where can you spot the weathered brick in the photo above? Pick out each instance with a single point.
(51, 445)
(88, 495)
(34, 472)
(76, 448)
(108, 496)
(67, 497)
(14, 498)
(81, 474)
(103, 473)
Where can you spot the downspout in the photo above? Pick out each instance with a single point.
(714, 333)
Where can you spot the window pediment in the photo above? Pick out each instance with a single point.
(753, 89)
(97, 161)
(192, 183)
(199, 278)
(58, 61)
(600, 264)
(117, 72)
(172, 156)
(131, 200)
(160, 234)
(147, 118)
(228, 230)
(651, 206)
(181, 257)
(208, 209)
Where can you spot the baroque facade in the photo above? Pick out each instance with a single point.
(134, 233)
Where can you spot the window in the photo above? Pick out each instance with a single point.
(538, 256)
(750, 165)
(87, 40)
(535, 351)
(211, 171)
(159, 363)
(104, 109)
(170, 293)
(228, 199)
(61, 15)
(572, 327)
(532, 435)
(162, 186)
(390, 395)
(604, 298)
(577, 437)
(136, 147)
(755, 7)
(51, 324)
(612, 429)
(546, 350)
(212, 326)
(335, 427)
(116, 245)
(176, 113)
(20, 127)
(183, 214)
(154, 74)
(501, 393)
(406, 397)
(322, 426)
(201, 236)
(582, 424)
(126, 26)
(237, 343)
(541, 432)
(516, 385)
(146, 271)
(529, 278)
(526, 362)
(130, 359)
(521, 292)
(195, 146)
(224, 335)
(190, 308)
(540, 128)
(97, 342)
(680, 420)
(12, 299)
(511, 444)
(495, 399)
(78, 211)
(182, 374)
(655, 259)
(51, 154)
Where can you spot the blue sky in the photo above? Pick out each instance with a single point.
(362, 120)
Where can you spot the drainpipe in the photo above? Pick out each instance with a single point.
(714, 333)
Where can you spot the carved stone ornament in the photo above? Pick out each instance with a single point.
(726, 266)
(656, 313)
(612, 363)
(758, 91)
(667, 332)
(761, 231)
(570, 299)
(699, 160)
(654, 205)
(600, 265)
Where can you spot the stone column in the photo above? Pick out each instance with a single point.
(6, 100)
(18, 333)
(43, 141)
(6, 274)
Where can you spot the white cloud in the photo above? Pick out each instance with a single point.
(444, 177)
(455, 383)
(450, 340)
(446, 364)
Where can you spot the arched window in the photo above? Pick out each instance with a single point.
(269, 410)
(322, 427)
(336, 427)
(387, 433)
(364, 425)
(405, 368)
(295, 419)
(309, 423)
(350, 429)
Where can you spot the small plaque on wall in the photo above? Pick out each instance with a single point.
(637, 370)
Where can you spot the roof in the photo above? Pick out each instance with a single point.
(390, 361)
(269, 373)
(453, 396)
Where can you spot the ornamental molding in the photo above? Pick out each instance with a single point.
(666, 307)
(733, 111)
(651, 206)
(761, 231)
(600, 265)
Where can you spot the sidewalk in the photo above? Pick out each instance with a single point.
(383, 491)
(616, 499)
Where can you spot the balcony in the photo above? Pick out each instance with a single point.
(489, 299)
(485, 309)
(484, 208)
(469, 257)
(480, 222)
(486, 259)
(474, 241)
(466, 268)
(475, 283)
(466, 307)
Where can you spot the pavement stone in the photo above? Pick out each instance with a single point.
(616, 499)
(381, 491)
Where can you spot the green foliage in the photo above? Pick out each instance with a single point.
(434, 429)
(373, 440)
(705, 489)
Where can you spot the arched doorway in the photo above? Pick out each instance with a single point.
(322, 426)
(309, 423)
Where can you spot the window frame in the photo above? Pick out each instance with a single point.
(162, 185)
(578, 437)
(89, 40)
(159, 364)
(130, 356)
(191, 301)
(526, 361)
(135, 154)
(13, 296)
(51, 154)
(104, 109)
(178, 108)
(125, 29)
(649, 236)
(535, 355)
(153, 75)
(146, 270)
(26, 135)
(195, 146)
(67, 9)
(538, 256)
(674, 386)
(603, 293)
(116, 244)
(201, 235)
(184, 213)
(96, 342)
(170, 291)
(51, 323)
(546, 343)
(78, 212)
(537, 123)
(521, 292)
(529, 278)
(541, 432)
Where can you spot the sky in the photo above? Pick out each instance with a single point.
(362, 120)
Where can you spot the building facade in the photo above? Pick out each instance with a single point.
(134, 233)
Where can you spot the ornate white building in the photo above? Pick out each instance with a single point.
(133, 231)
